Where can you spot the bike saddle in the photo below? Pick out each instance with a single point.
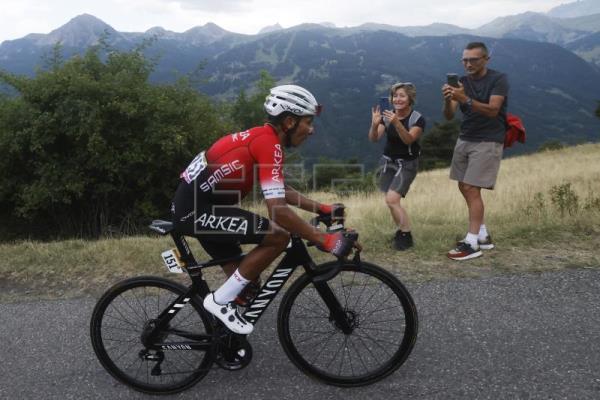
(161, 227)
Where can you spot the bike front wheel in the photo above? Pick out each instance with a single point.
(129, 309)
(379, 310)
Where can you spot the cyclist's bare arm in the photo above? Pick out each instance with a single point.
(296, 199)
(281, 214)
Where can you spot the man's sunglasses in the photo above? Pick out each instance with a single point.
(472, 60)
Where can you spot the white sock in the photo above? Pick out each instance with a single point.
(231, 288)
(483, 233)
(471, 238)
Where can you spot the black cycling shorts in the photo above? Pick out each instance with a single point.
(221, 229)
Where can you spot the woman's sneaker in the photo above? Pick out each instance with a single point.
(228, 314)
(403, 240)
(486, 244)
(464, 251)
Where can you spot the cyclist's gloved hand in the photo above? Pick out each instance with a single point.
(330, 213)
(339, 243)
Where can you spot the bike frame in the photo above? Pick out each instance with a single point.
(296, 255)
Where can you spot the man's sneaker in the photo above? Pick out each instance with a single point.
(228, 314)
(464, 251)
(486, 244)
(403, 240)
(248, 293)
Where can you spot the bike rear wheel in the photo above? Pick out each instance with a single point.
(129, 308)
(382, 316)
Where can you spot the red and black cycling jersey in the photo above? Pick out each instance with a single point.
(226, 172)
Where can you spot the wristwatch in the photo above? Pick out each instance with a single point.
(469, 103)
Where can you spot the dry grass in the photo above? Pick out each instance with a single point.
(527, 226)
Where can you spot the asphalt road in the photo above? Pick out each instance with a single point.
(509, 337)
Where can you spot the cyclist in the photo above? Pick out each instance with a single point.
(211, 187)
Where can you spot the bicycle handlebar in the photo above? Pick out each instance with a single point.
(332, 224)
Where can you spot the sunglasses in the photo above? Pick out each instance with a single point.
(403, 84)
(472, 60)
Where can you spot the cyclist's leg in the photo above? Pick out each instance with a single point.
(239, 287)
(229, 268)
(257, 260)
(272, 245)
(221, 230)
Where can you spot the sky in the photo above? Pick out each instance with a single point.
(21, 17)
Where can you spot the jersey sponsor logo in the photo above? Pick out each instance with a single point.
(219, 174)
(274, 192)
(226, 224)
(192, 171)
(243, 135)
(277, 164)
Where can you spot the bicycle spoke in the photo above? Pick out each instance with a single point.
(142, 308)
(311, 311)
(379, 304)
(117, 347)
(357, 351)
(366, 303)
(124, 318)
(109, 339)
(315, 302)
(320, 352)
(369, 313)
(360, 295)
(313, 337)
(366, 346)
(386, 320)
(191, 312)
(344, 289)
(378, 342)
(336, 354)
(382, 330)
(135, 313)
(117, 328)
(344, 354)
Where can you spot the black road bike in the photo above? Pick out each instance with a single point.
(346, 323)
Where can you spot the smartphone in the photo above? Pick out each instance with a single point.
(384, 104)
(452, 79)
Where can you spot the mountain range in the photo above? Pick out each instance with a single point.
(552, 60)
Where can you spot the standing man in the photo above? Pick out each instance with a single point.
(482, 98)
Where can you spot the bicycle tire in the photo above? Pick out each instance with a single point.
(305, 326)
(117, 324)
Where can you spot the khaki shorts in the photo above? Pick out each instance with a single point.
(476, 163)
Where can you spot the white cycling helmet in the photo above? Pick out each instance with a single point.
(292, 98)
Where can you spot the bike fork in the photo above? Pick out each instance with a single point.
(337, 312)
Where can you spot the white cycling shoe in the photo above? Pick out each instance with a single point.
(228, 315)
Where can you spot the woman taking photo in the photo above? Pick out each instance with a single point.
(402, 127)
